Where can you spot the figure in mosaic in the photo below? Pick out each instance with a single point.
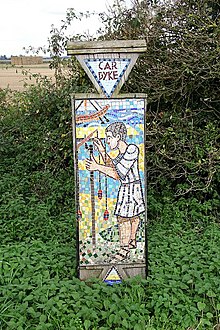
(130, 202)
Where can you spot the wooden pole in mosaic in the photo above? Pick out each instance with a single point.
(109, 158)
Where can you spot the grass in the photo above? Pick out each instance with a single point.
(40, 290)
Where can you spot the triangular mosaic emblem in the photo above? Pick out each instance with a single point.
(108, 72)
(112, 277)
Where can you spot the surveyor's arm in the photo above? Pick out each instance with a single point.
(92, 165)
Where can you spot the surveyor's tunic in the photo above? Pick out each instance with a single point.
(130, 200)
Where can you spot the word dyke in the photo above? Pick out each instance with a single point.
(109, 161)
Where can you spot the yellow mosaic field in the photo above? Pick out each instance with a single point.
(85, 223)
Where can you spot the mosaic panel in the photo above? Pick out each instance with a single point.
(109, 142)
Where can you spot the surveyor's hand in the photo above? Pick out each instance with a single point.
(98, 144)
(91, 164)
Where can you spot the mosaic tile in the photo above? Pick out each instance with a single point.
(111, 176)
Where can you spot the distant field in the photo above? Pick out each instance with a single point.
(13, 78)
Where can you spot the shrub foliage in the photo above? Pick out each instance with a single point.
(180, 74)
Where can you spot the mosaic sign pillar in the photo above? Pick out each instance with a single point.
(110, 171)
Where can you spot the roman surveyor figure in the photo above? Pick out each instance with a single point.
(125, 168)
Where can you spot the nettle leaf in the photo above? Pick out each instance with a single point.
(29, 298)
(111, 319)
(138, 326)
(87, 324)
(125, 324)
(43, 318)
(209, 315)
(211, 294)
(201, 306)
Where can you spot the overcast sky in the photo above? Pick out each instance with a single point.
(26, 23)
